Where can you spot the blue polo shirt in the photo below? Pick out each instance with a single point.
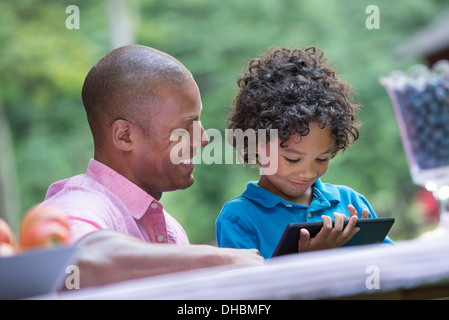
(258, 217)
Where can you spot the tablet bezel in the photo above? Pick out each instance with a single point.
(372, 230)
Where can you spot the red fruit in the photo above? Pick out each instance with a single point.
(44, 226)
(44, 234)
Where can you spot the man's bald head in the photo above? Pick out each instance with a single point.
(126, 84)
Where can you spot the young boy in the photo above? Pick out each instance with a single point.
(296, 93)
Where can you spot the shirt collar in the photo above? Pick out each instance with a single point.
(134, 198)
(260, 195)
(329, 191)
(323, 195)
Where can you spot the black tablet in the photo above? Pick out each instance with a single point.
(371, 231)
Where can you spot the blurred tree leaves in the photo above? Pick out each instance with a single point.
(43, 65)
(42, 69)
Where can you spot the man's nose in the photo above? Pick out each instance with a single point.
(201, 139)
(204, 137)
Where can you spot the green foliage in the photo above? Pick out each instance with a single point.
(43, 65)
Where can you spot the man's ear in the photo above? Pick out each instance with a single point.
(121, 134)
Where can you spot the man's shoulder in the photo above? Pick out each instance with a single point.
(75, 184)
(83, 198)
(80, 191)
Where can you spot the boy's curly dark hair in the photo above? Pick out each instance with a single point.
(288, 89)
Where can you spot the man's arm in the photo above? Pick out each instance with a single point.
(108, 256)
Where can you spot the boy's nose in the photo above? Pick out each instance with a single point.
(306, 171)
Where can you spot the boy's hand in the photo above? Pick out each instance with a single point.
(353, 212)
(329, 237)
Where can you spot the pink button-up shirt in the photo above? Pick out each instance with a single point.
(104, 199)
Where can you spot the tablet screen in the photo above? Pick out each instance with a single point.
(371, 231)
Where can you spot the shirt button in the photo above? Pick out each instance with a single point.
(154, 205)
(310, 215)
(160, 238)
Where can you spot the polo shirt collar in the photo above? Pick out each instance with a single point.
(260, 195)
(326, 190)
(323, 195)
(134, 198)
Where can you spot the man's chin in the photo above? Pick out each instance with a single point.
(189, 183)
(182, 185)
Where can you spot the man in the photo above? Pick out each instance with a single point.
(135, 98)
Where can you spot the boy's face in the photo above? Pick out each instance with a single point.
(301, 162)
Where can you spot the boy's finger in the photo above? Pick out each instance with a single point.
(304, 240)
(351, 228)
(327, 224)
(339, 218)
(352, 211)
(365, 214)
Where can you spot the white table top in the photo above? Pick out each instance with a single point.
(325, 274)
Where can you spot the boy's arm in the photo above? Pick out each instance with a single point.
(231, 233)
(107, 256)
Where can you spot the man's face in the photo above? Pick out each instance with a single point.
(153, 169)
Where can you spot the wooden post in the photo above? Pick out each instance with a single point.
(121, 21)
(9, 186)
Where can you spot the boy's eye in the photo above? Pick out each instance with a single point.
(291, 160)
(321, 160)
